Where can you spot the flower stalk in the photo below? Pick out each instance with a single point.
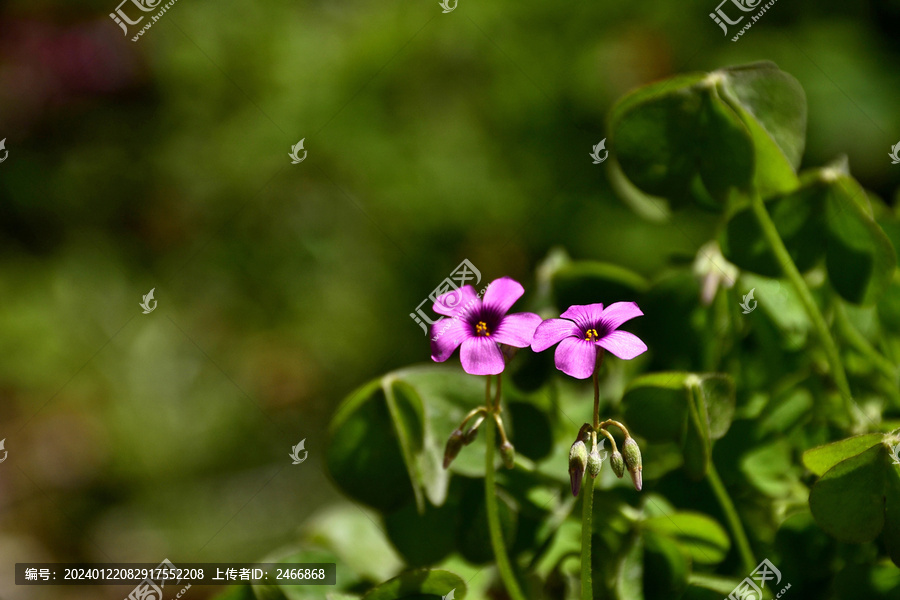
(490, 498)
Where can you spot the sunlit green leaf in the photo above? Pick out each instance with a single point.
(703, 538)
(421, 584)
(848, 501)
(819, 460)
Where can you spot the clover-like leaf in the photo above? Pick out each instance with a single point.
(700, 136)
(828, 215)
(858, 496)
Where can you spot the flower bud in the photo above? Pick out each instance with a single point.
(632, 455)
(454, 445)
(508, 454)
(578, 456)
(594, 463)
(472, 433)
(617, 463)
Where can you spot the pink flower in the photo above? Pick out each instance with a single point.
(480, 325)
(582, 330)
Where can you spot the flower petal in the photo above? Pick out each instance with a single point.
(517, 329)
(619, 312)
(623, 344)
(585, 316)
(501, 294)
(454, 301)
(481, 356)
(446, 336)
(553, 331)
(577, 358)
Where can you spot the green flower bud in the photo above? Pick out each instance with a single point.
(632, 455)
(617, 463)
(594, 463)
(454, 445)
(578, 456)
(508, 453)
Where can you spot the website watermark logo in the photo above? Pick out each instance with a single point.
(445, 4)
(151, 588)
(748, 588)
(895, 453)
(144, 6)
(450, 596)
(296, 159)
(295, 452)
(6, 152)
(145, 304)
(723, 20)
(458, 278)
(2, 447)
(748, 298)
(596, 153)
(895, 153)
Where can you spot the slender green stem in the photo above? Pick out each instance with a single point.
(862, 345)
(587, 500)
(490, 500)
(587, 497)
(731, 515)
(818, 321)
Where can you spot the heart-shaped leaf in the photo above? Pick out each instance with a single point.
(700, 136)
(858, 497)
(848, 501)
(819, 460)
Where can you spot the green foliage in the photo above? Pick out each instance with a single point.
(857, 495)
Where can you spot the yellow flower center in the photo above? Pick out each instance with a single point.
(481, 329)
(591, 335)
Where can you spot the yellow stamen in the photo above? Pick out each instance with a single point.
(482, 329)
(592, 335)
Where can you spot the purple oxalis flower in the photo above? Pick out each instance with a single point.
(582, 330)
(479, 325)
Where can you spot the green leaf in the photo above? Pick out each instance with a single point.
(685, 408)
(423, 538)
(776, 101)
(419, 584)
(667, 138)
(407, 417)
(697, 445)
(665, 568)
(821, 459)
(472, 535)
(859, 255)
(769, 469)
(630, 577)
(892, 511)
(386, 441)
(701, 136)
(582, 282)
(656, 406)
(848, 501)
(363, 454)
(703, 538)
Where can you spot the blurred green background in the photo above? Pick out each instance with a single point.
(431, 138)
